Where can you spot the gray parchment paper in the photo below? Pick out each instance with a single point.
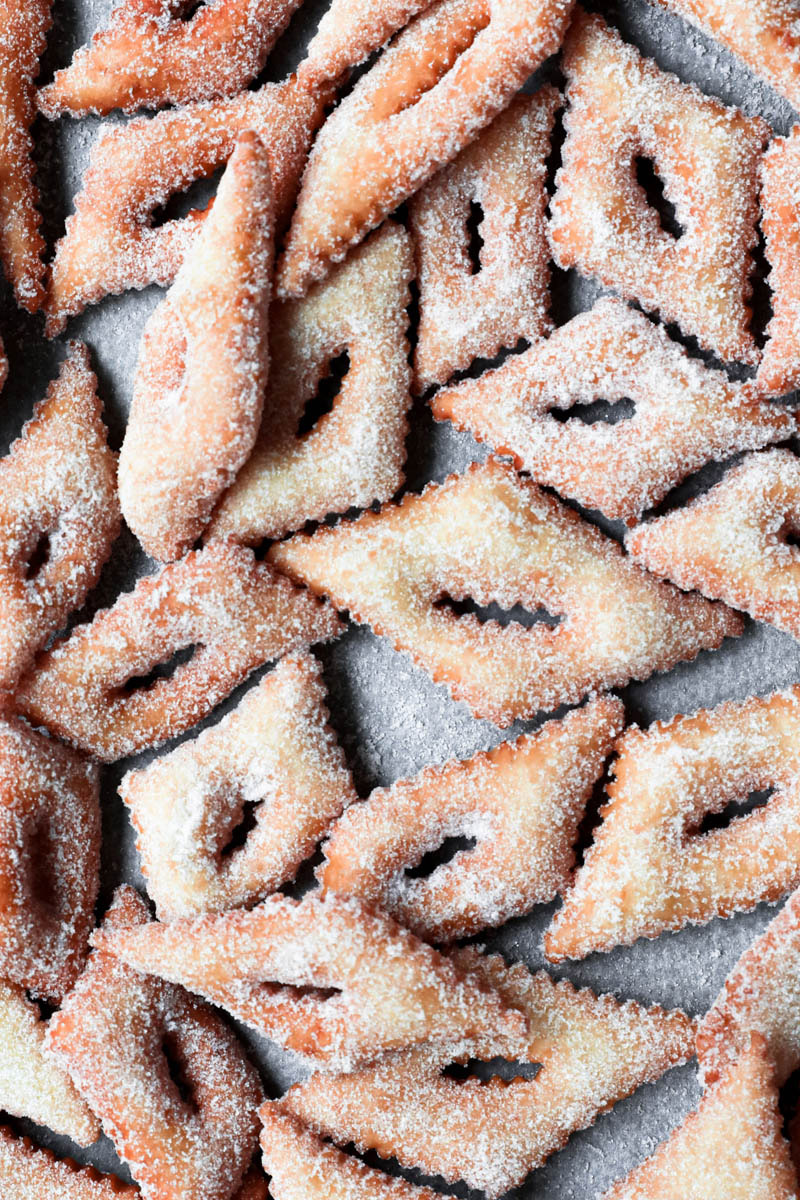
(391, 718)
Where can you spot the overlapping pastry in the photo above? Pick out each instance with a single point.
(736, 542)
(652, 866)
(49, 860)
(730, 1148)
(155, 52)
(593, 1052)
(336, 982)
(521, 804)
(489, 536)
(621, 110)
(97, 689)
(779, 371)
(470, 309)
(203, 366)
(274, 759)
(111, 241)
(23, 34)
(349, 31)
(28, 1173)
(303, 1167)
(166, 1076)
(684, 414)
(436, 85)
(763, 33)
(760, 996)
(353, 454)
(32, 1084)
(59, 514)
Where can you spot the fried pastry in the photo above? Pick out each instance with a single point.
(521, 803)
(761, 995)
(274, 757)
(168, 1079)
(59, 515)
(763, 33)
(734, 543)
(111, 242)
(351, 30)
(437, 84)
(23, 34)
(203, 367)
(730, 1148)
(779, 371)
(469, 310)
(303, 1167)
(49, 860)
(685, 414)
(652, 868)
(355, 453)
(32, 1084)
(156, 52)
(624, 112)
(593, 1051)
(231, 613)
(28, 1173)
(336, 982)
(490, 536)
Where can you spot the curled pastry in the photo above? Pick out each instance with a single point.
(684, 414)
(156, 52)
(353, 454)
(274, 759)
(111, 242)
(625, 113)
(441, 80)
(489, 536)
(29, 1173)
(168, 1079)
(203, 366)
(49, 860)
(229, 612)
(651, 867)
(591, 1052)
(338, 983)
(59, 515)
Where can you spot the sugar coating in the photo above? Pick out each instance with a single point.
(779, 371)
(111, 1033)
(272, 966)
(351, 30)
(110, 244)
(763, 33)
(441, 80)
(730, 1148)
(303, 1167)
(23, 34)
(237, 613)
(731, 543)
(522, 801)
(761, 994)
(649, 869)
(276, 750)
(58, 480)
(32, 1084)
(28, 1173)
(466, 315)
(593, 1052)
(492, 536)
(685, 414)
(203, 366)
(354, 455)
(149, 55)
(49, 860)
(621, 105)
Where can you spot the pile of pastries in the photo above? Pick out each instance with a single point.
(385, 222)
